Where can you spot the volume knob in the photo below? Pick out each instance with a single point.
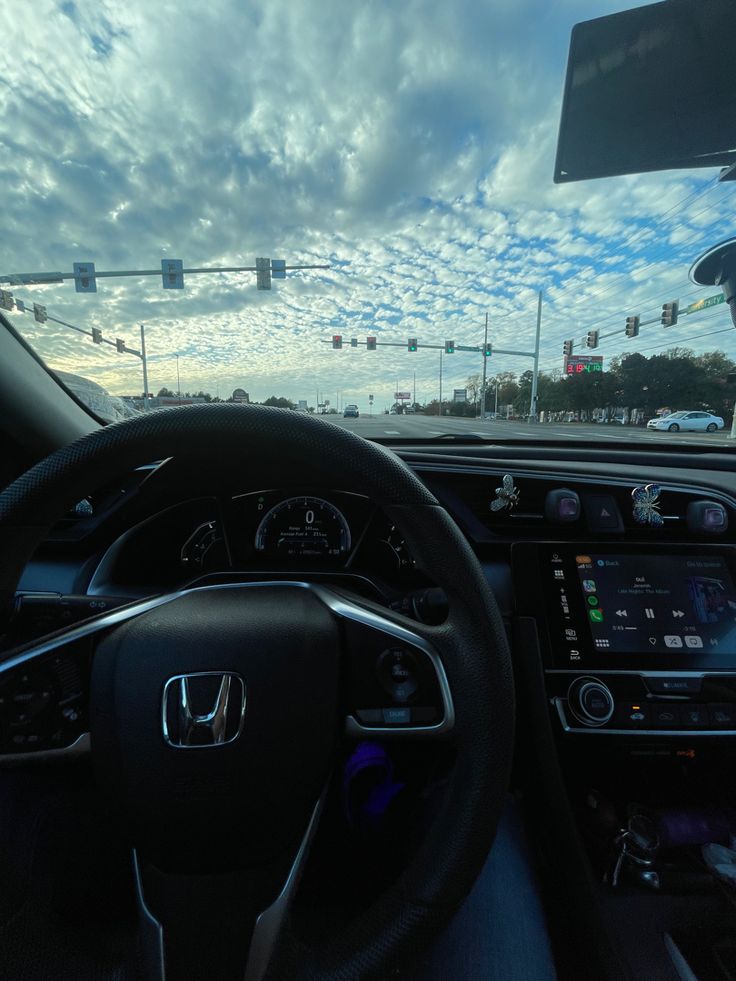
(590, 701)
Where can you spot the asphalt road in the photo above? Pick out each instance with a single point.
(427, 427)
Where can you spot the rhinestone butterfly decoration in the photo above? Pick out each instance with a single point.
(646, 505)
(507, 496)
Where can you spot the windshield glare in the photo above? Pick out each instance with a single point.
(348, 211)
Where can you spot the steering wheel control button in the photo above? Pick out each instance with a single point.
(424, 716)
(398, 673)
(602, 513)
(369, 717)
(674, 685)
(396, 716)
(27, 700)
(590, 701)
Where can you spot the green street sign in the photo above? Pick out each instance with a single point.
(708, 301)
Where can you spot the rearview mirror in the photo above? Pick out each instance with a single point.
(650, 89)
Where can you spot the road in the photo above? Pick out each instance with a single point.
(427, 427)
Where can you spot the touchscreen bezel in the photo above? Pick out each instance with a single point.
(538, 595)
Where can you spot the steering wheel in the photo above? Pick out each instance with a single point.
(216, 711)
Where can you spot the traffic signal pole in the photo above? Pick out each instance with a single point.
(535, 374)
(485, 369)
(439, 411)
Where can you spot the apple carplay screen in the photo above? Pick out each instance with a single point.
(670, 610)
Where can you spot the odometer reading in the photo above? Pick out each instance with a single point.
(303, 527)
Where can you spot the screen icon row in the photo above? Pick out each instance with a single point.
(691, 640)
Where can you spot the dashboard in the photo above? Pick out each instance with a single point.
(616, 578)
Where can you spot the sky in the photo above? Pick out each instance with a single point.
(408, 146)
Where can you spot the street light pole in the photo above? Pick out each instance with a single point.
(145, 367)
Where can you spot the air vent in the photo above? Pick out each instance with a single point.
(511, 506)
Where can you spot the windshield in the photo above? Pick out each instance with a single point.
(340, 208)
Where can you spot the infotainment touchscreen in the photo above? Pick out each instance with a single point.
(658, 604)
(632, 608)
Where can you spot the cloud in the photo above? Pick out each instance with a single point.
(410, 146)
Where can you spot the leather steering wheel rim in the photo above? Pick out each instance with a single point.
(475, 654)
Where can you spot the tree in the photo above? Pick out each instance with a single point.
(166, 393)
(473, 385)
(279, 402)
(523, 396)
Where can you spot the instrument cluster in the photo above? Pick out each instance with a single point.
(272, 531)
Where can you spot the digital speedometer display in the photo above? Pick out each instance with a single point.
(303, 527)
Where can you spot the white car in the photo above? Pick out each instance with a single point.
(700, 422)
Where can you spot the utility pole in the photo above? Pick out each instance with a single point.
(535, 375)
(485, 359)
(415, 389)
(178, 383)
(145, 367)
(496, 409)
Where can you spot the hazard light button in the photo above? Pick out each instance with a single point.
(602, 513)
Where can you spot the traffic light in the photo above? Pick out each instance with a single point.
(120, 345)
(449, 347)
(263, 274)
(97, 335)
(487, 350)
(370, 344)
(336, 341)
(411, 344)
(567, 348)
(632, 326)
(6, 300)
(592, 339)
(353, 342)
(39, 312)
(669, 313)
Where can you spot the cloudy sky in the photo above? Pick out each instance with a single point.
(409, 146)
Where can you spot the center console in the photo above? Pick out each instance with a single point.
(636, 641)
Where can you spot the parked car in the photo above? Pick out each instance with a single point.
(350, 411)
(701, 422)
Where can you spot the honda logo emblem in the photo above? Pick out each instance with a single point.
(204, 709)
